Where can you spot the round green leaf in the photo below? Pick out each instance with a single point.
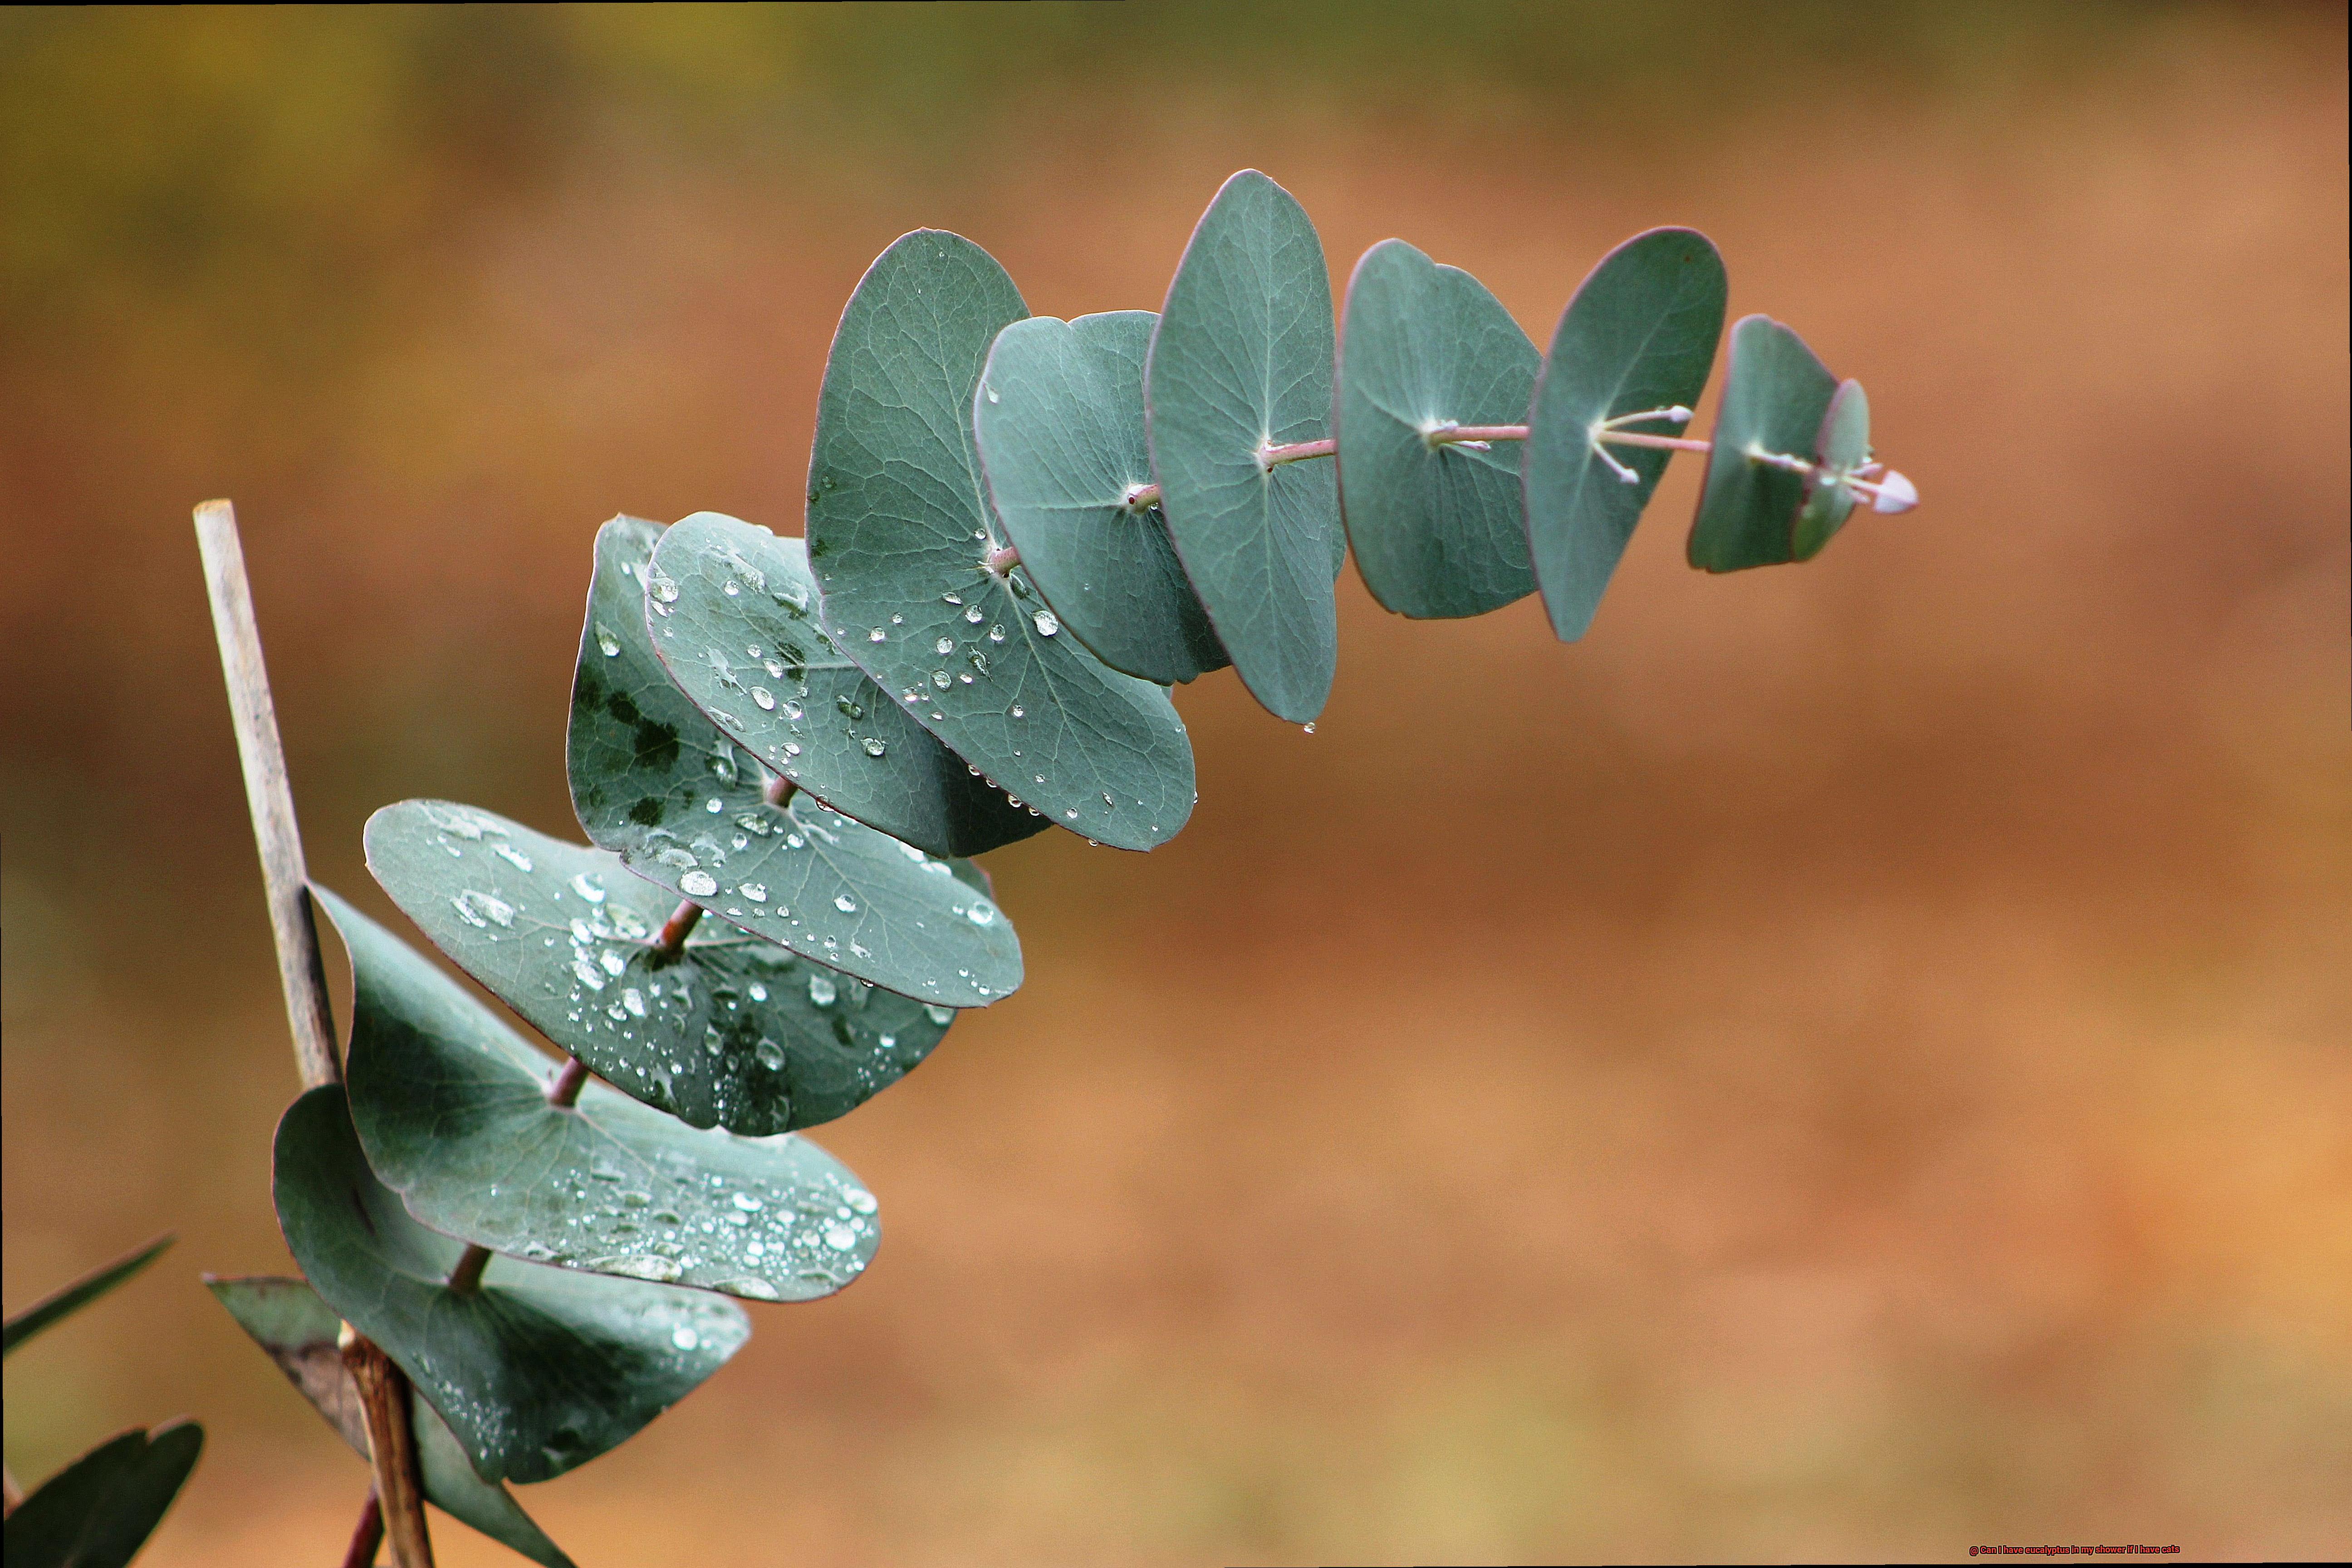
(898, 524)
(1641, 334)
(734, 618)
(99, 1512)
(1242, 361)
(1059, 421)
(1435, 527)
(285, 1318)
(538, 1370)
(451, 1106)
(657, 783)
(1776, 393)
(1843, 446)
(730, 1031)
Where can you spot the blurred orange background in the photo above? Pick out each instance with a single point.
(1844, 1062)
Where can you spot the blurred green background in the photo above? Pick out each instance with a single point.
(1844, 1062)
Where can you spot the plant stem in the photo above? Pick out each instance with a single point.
(1000, 561)
(367, 1535)
(303, 976)
(397, 1497)
(467, 1277)
(680, 924)
(1268, 457)
(302, 972)
(778, 793)
(1664, 443)
(564, 1092)
(1459, 433)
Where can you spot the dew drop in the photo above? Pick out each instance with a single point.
(981, 915)
(823, 991)
(875, 748)
(607, 643)
(945, 644)
(845, 903)
(588, 888)
(755, 891)
(1045, 624)
(764, 697)
(840, 1237)
(697, 884)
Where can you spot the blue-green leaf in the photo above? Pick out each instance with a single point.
(1843, 446)
(1242, 361)
(1060, 426)
(898, 527)
(657, 783)
(1776, 393)
(734, 618)
(71, 1299)
(537, 1370)
(1436, 526)
(99, 1512)
(451, 1106)
(285, 1319)
(1641, 334)
(730, 1031)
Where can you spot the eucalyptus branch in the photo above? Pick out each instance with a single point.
(302, 973)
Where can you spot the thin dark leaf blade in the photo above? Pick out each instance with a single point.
(450, 1106)
(1775, 393)
(898, 525)
(288, 1321)
(1435, 528)
(656, 783)
(1842, 445)
(734, 618)
(537, 1371)
(1059, 421)
(1641, 334)
(99, 1512)
(1241, 360)
(71, 1299)
(731, 1031)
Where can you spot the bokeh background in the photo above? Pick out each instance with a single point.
(1844, 1062)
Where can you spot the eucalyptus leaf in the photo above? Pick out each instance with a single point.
(99, 1512)
(1436, 526)
(1843, 446)
(730, 1031)
(537, 1370)
(1641, 334)
(451, 1106)
(899, 527)
(656, 783)
(734, 618)
(1059, 421)
(71, 1299)
(1775, 393)
(1240, 362)
(285, 1319)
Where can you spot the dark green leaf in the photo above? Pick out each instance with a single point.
(287, 1318)
(1436, 529)
(1775, 396)
(1639, 334)
(22, 1326)
(536, 1371)
(898, 524)
(1060, 426)
(731, 1031)
(1842, 445)
(99, 1512)
(656, 782)
(450, 1105)
(734, 617)
(1241, 360)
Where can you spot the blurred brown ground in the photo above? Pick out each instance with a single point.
(1846, 1062)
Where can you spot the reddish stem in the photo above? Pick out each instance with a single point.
(564, 1092)
(366, 1535)
(680, 924)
